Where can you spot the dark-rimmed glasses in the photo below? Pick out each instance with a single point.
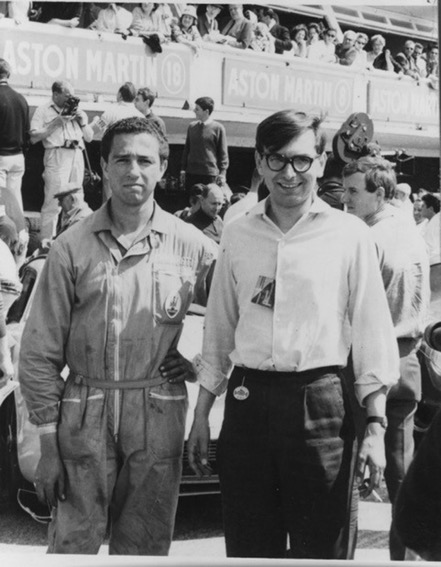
(300, 164)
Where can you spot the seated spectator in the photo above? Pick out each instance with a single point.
(65, 14)
(379, 57)
(313, 35)
(207, 22)
(19, 11)
(146, 22)
(89, 14)
(324, 49)
(280, 33)
(195, 202)
(207, 218)
(360, 61)
(345, 51)
(263, 40)
(406, 62)
(113, 19)
(165, 19)
(299, 34)
(420, 60)
(239, 31)
(432, 61)
(186, 30)
(73, 207)
(251, 15)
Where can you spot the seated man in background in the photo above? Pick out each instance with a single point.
(281, 33)
(207, 22)
(239, 31)
(207, 218)
(73, 207)
(114, 19)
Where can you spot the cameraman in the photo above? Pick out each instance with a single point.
(63, 129)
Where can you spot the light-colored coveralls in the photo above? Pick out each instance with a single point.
(61, 164)
(111, 315)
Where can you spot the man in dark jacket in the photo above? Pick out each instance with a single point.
(282, 42)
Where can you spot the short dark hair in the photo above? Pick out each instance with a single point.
(431, 201)
(315, 26)
(5, 69)
(296, 29)
(133, 125)
(378, 173)
(282, 127)
(147, 94)
(269, 12)
(127, 92)
(206, 103)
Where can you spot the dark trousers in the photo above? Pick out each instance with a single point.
(286, 463)
(193, 178)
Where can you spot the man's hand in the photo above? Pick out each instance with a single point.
(50, 476)
(372, 455)
(176, 368)
(197, 447)
(81, 117)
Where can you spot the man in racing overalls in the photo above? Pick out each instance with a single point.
(110, 305)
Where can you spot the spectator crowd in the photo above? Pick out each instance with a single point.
(244, 27)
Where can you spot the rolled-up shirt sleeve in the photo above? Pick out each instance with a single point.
(374, 345)
(42, 352)
(214, 366)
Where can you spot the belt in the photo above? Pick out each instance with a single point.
(79, 379)
(266, 374)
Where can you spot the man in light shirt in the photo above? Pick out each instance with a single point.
(63, 129)
(297, 285)
(370, 184)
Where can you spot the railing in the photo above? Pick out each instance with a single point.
(245, 85)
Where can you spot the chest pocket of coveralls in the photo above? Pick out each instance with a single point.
(173, 293)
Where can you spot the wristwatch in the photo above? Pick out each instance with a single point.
(377, 419)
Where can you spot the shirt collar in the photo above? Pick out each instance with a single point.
(318, 206)
(159, 221)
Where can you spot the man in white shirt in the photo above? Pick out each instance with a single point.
(297, 284)
(369, 185)
(124, 108)
(63, 132)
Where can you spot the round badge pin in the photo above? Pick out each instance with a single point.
(241, 393)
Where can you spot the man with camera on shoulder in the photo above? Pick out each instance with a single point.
(63, 129)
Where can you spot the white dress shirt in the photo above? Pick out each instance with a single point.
(329, 295)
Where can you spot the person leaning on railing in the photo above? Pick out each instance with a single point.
(186, 30)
